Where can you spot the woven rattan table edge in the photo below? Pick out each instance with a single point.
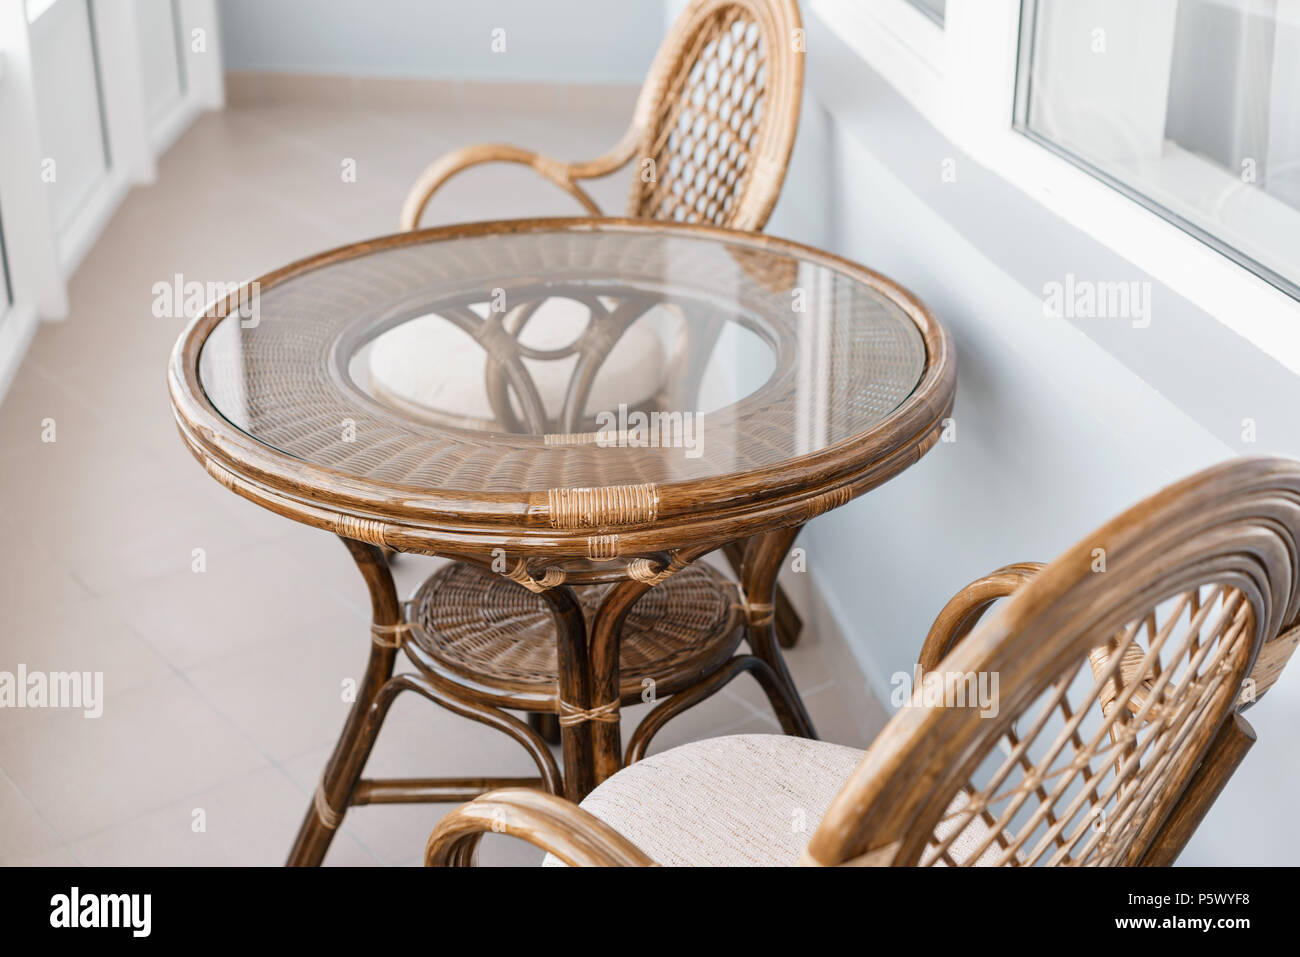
(442, 520)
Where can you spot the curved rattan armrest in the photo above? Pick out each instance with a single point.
(563, 175)
(575, 836)
(967, 607)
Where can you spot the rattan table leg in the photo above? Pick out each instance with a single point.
(441, 693)
(788, 623)
(575, 690)
(607, 629)
(545, 724)
(334, 793)
(764, 555)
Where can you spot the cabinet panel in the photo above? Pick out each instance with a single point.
(66, 85)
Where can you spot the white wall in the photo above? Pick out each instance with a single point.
(1060, 425)
(559, 41)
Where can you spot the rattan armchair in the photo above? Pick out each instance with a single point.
(712, 129)
(1123, 670)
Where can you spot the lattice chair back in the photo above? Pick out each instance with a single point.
(717, 115)
(1117, 666)
(712, 132)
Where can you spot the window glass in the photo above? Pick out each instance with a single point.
(1192, 107)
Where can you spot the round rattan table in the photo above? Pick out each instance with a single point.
(574, 412)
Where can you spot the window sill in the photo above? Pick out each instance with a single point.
(1243, 302)
(961, 79)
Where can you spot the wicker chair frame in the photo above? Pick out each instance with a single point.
(1124, 668)
(712, 130)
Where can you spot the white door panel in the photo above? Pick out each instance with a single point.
(160, 66)
(66, 85)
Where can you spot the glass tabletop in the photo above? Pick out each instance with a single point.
(561, 356)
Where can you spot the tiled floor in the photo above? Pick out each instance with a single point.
(223, 687)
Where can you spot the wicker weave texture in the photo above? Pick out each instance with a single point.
(703, 144)
(1076, 778)
(712, 132)
(483, 625)
(843, 363)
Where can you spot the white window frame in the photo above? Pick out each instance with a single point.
(961, 77)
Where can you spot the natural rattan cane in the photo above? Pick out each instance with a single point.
(482, 630)
(708, 128)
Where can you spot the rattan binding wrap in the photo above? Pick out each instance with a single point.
(481, 625)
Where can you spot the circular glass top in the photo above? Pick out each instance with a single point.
(560, 355)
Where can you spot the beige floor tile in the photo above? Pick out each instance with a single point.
(833, 719)
(154, 533)
(807, 668)
(152, 744)
(321, 558)
(55, 857)
(25, 834)
(257, 596)
(419, 739)
(424, 740)
(78, 634)
(57, 490)
(31, 573)
(247, 821)
(264, 524)
(34, 411)
(79, 493)
(288, 696)
(326, 561)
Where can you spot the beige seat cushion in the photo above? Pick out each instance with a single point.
(743, 800)
(430, 363)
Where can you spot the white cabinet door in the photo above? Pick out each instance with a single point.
(160, 65)
(65, 78)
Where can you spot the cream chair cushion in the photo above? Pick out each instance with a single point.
(429, 363)
(739, 801)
